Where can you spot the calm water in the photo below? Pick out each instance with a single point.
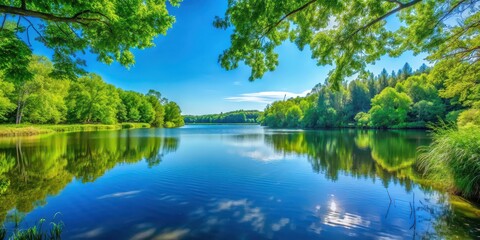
(227, 182)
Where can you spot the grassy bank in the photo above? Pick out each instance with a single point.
(453, 158)
(10, 130)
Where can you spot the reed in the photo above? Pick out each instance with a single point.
(453, 158)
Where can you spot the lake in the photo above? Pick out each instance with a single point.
(228, 182)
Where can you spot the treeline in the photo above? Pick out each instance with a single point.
(239, 116)
(42, 98)
(402, 99)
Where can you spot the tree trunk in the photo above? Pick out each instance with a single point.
(18, 118)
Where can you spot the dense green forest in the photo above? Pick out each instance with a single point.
(402, 99)
(44, 98)
(239, 116)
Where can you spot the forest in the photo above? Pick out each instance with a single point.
(239, 116)
(402, 99)
(45, 98)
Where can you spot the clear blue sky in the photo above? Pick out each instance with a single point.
(183, 66)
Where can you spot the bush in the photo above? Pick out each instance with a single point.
(362, 119)
(169, 125)
(453, 158)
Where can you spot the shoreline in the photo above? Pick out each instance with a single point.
(12, 130)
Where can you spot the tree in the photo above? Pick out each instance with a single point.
(406, 72)
(382, 80)
(155, 98)
(110, 29)
(458, 82)
(173, 116)
(347, 34)
(132, 101)
(91, 100)
(6, 88)
(389, 108)
(294, 116)
(44, 101)
(359, 96)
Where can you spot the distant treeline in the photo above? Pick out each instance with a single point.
(402, 99)
(41, 97)
(239, 116)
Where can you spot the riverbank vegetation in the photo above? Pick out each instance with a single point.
(37, 129)
(45, 99)
(453, 160)
(37, 232)
(406, 99)
(239, 116)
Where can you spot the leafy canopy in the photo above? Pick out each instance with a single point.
(348, 34)
(108, 28)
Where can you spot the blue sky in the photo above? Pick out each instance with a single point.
(183, 66)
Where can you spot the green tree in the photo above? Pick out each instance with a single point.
(110, 29)
(359, 97)
(389, 108)
(346, 34)
(173, 116)
(294, 116)
(6, 88)
(458, 82)
(155, 98)
(45, 100)
(91, 100)
(428, 111)
(132, 101)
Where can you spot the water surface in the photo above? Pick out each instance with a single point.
(227, 182)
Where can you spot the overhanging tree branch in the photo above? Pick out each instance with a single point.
(373, 22)
(271, 27)
(31, 25)
(77, 18)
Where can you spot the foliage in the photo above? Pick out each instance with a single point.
(43, 97)
(6, 88)
(110, 29)
(46, 99)
(173, 115)
(239, 116)
(366, 102)
(389, 107)
(91, 100)
(155, 98)
(469, 117)
(346, 34)
(454, 158)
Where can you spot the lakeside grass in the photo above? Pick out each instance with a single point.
(12, 130)
(453, 159)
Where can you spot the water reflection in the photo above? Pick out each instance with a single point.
(32, 168)
(239, 182)
(362, 154)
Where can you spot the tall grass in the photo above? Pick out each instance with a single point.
(36, 232)
(453, 159)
